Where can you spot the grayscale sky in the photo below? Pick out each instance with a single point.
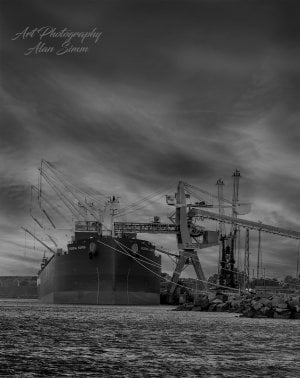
(172, 90)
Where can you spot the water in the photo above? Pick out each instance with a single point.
(121, 341)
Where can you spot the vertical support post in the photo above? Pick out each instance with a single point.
(238, 249)
(176, 274)
(246, 261)
(235, 199)
(235, 196)
(198, 269)
(258, 255)
(220, 184)
(183, 234)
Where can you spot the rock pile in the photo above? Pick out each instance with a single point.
(249, 305)
(272, 307)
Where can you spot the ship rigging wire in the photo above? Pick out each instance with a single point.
(60, 187)
(138, 205)
(188, 186)
(121, 214)
(51, 205)
(69, 186)
(61, 178)
(167, 280)
(151, 262)
(156, 274)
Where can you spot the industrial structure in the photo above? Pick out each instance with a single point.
(94, 231)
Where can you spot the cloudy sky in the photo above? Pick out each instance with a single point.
(170, 90)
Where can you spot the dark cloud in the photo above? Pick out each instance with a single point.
(13, 199)
(188, 90)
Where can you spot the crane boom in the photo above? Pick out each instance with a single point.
(245, 223)
(39, 240)
(49, 219)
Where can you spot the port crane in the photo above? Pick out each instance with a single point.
(190, 237)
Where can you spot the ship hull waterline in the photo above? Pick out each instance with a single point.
(118, 271)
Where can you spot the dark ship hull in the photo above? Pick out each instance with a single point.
(102, 270)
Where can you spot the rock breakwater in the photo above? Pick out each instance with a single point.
(248, 305)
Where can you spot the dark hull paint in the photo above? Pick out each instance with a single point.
(109, 277)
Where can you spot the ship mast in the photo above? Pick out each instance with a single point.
(113, 206)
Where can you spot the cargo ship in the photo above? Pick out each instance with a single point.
(101, 269)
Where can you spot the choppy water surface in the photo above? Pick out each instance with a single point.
(57, 340)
